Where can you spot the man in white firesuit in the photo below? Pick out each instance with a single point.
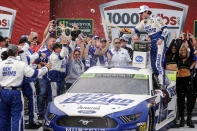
(157, 31)
(58, 61)
(12, 72)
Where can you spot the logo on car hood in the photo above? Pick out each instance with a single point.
(96, 104)
(103, 99)
(85, 122)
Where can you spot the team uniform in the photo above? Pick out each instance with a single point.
(29, 89)
(90, 59)
(43, 82)
(12, 72)
(156, 30)
(56, 74)
(103, 60)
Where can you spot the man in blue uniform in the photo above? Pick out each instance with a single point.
(12, 72)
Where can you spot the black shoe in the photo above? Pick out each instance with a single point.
(33, 126)
(190, 124)
(182, 123)
(40, 117)
(175, 126)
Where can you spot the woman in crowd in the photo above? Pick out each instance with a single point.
(170, 56)
(185, 62)
(76, 68)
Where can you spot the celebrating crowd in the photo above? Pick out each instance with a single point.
(47, 69)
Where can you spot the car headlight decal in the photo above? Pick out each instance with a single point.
(130, 118)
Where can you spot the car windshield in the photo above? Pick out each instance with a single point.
(112, 83)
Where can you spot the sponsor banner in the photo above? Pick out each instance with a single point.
(140, 59)
(7, 21)
(85, 25)
(22, 20)
(129, 17)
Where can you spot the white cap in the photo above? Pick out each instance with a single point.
(125, 37)
(144, 8)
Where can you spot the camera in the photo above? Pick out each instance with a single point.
(54, 22)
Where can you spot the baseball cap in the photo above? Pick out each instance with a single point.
(57, 45)
(144, 8)
(23, 40)
(13, 47)
(95, 37)
(103, 40)
(122, 39)
(125, 37)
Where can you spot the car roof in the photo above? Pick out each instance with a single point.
(119, 70)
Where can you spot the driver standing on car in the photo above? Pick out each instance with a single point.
(157, 32)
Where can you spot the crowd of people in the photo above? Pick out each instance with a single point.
(66, 58)
(47, 69)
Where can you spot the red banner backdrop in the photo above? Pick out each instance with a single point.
(81, 9)
(31, 15)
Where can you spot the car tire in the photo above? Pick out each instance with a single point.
(150, 121)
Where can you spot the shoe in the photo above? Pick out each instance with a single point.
(40, 117)
(190, 124)
(33, 125)
(175, 125)
(182, 123)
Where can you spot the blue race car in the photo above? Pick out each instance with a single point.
(113, 99)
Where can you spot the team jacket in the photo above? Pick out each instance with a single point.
(58, 62)
(12, 72)
(154, 26)
(28, 56)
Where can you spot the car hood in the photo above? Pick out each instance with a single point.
(96, 104)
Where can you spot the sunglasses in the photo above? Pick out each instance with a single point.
(117, 42)
(76, 54)
(35, 38)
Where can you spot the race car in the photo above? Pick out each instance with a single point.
(113, 99)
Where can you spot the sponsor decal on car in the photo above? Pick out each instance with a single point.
(86, 111)
(140, 76)
(139, 59)
(80, 129)
(103, 99)
(172, 91)
(88, 107)
(89, 75)
(142, 126)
